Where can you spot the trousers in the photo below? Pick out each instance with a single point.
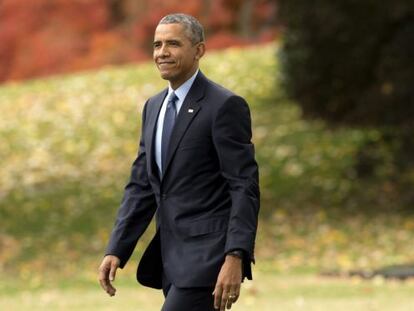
(186, 299)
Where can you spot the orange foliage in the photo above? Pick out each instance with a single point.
(42, 37)
(223, 39)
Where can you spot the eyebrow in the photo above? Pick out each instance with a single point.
(168, 41)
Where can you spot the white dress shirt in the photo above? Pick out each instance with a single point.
(181, 93)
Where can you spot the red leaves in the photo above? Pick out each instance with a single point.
(41, 37)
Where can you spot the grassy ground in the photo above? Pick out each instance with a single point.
(269, 292)
(66, 148)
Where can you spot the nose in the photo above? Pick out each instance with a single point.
(163, 51)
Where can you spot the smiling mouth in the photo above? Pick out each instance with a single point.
(165, 63)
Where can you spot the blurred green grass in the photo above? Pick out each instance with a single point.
(269, 292)
(67, 144)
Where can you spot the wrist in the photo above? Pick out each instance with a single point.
(232, 260)
(235, 253)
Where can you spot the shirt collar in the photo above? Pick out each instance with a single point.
(184, 88)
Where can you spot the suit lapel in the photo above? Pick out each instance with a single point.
(188, 111)
(150, 133)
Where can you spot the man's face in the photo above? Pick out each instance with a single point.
(174, 54)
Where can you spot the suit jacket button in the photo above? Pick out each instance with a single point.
(163, 196)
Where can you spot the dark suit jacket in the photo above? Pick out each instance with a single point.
(207, 201)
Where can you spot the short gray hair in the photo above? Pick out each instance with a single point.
(192, 26)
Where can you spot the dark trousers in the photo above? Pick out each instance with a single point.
(186, 299)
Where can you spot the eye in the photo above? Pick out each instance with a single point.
(156, 45)
(174, 43)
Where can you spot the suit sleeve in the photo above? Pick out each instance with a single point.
(232, 138)
(137, 207)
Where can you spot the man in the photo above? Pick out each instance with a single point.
(195, 171)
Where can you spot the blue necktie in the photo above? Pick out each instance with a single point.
(169, 120)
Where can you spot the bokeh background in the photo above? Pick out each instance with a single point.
(329, 84)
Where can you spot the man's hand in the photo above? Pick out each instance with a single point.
(107, 271)
(227, 289)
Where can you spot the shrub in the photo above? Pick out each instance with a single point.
(350, 62)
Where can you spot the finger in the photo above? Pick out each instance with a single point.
(107, 286)
(230, 299)
(236, 293)
(103, 277)
(229, 303)
(112, 273)
(224, 299)
(112, 290)
(217, 296)
(105, 283)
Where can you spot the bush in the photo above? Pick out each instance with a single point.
(349, 62)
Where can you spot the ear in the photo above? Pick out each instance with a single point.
(201, 49)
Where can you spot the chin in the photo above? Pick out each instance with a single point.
(164, 76)
(167, 76)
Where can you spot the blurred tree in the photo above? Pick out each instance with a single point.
(43, 36)
(245, 19)
(349, 62)
(40, 37)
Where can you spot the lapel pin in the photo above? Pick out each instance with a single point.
(190, 110)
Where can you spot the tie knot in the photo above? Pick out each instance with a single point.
(173, 98)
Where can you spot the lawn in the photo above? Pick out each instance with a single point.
(268, 292)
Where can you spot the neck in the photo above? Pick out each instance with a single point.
(176, 84)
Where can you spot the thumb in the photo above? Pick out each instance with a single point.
(112, 272)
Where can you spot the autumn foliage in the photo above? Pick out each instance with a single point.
(42, 37)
